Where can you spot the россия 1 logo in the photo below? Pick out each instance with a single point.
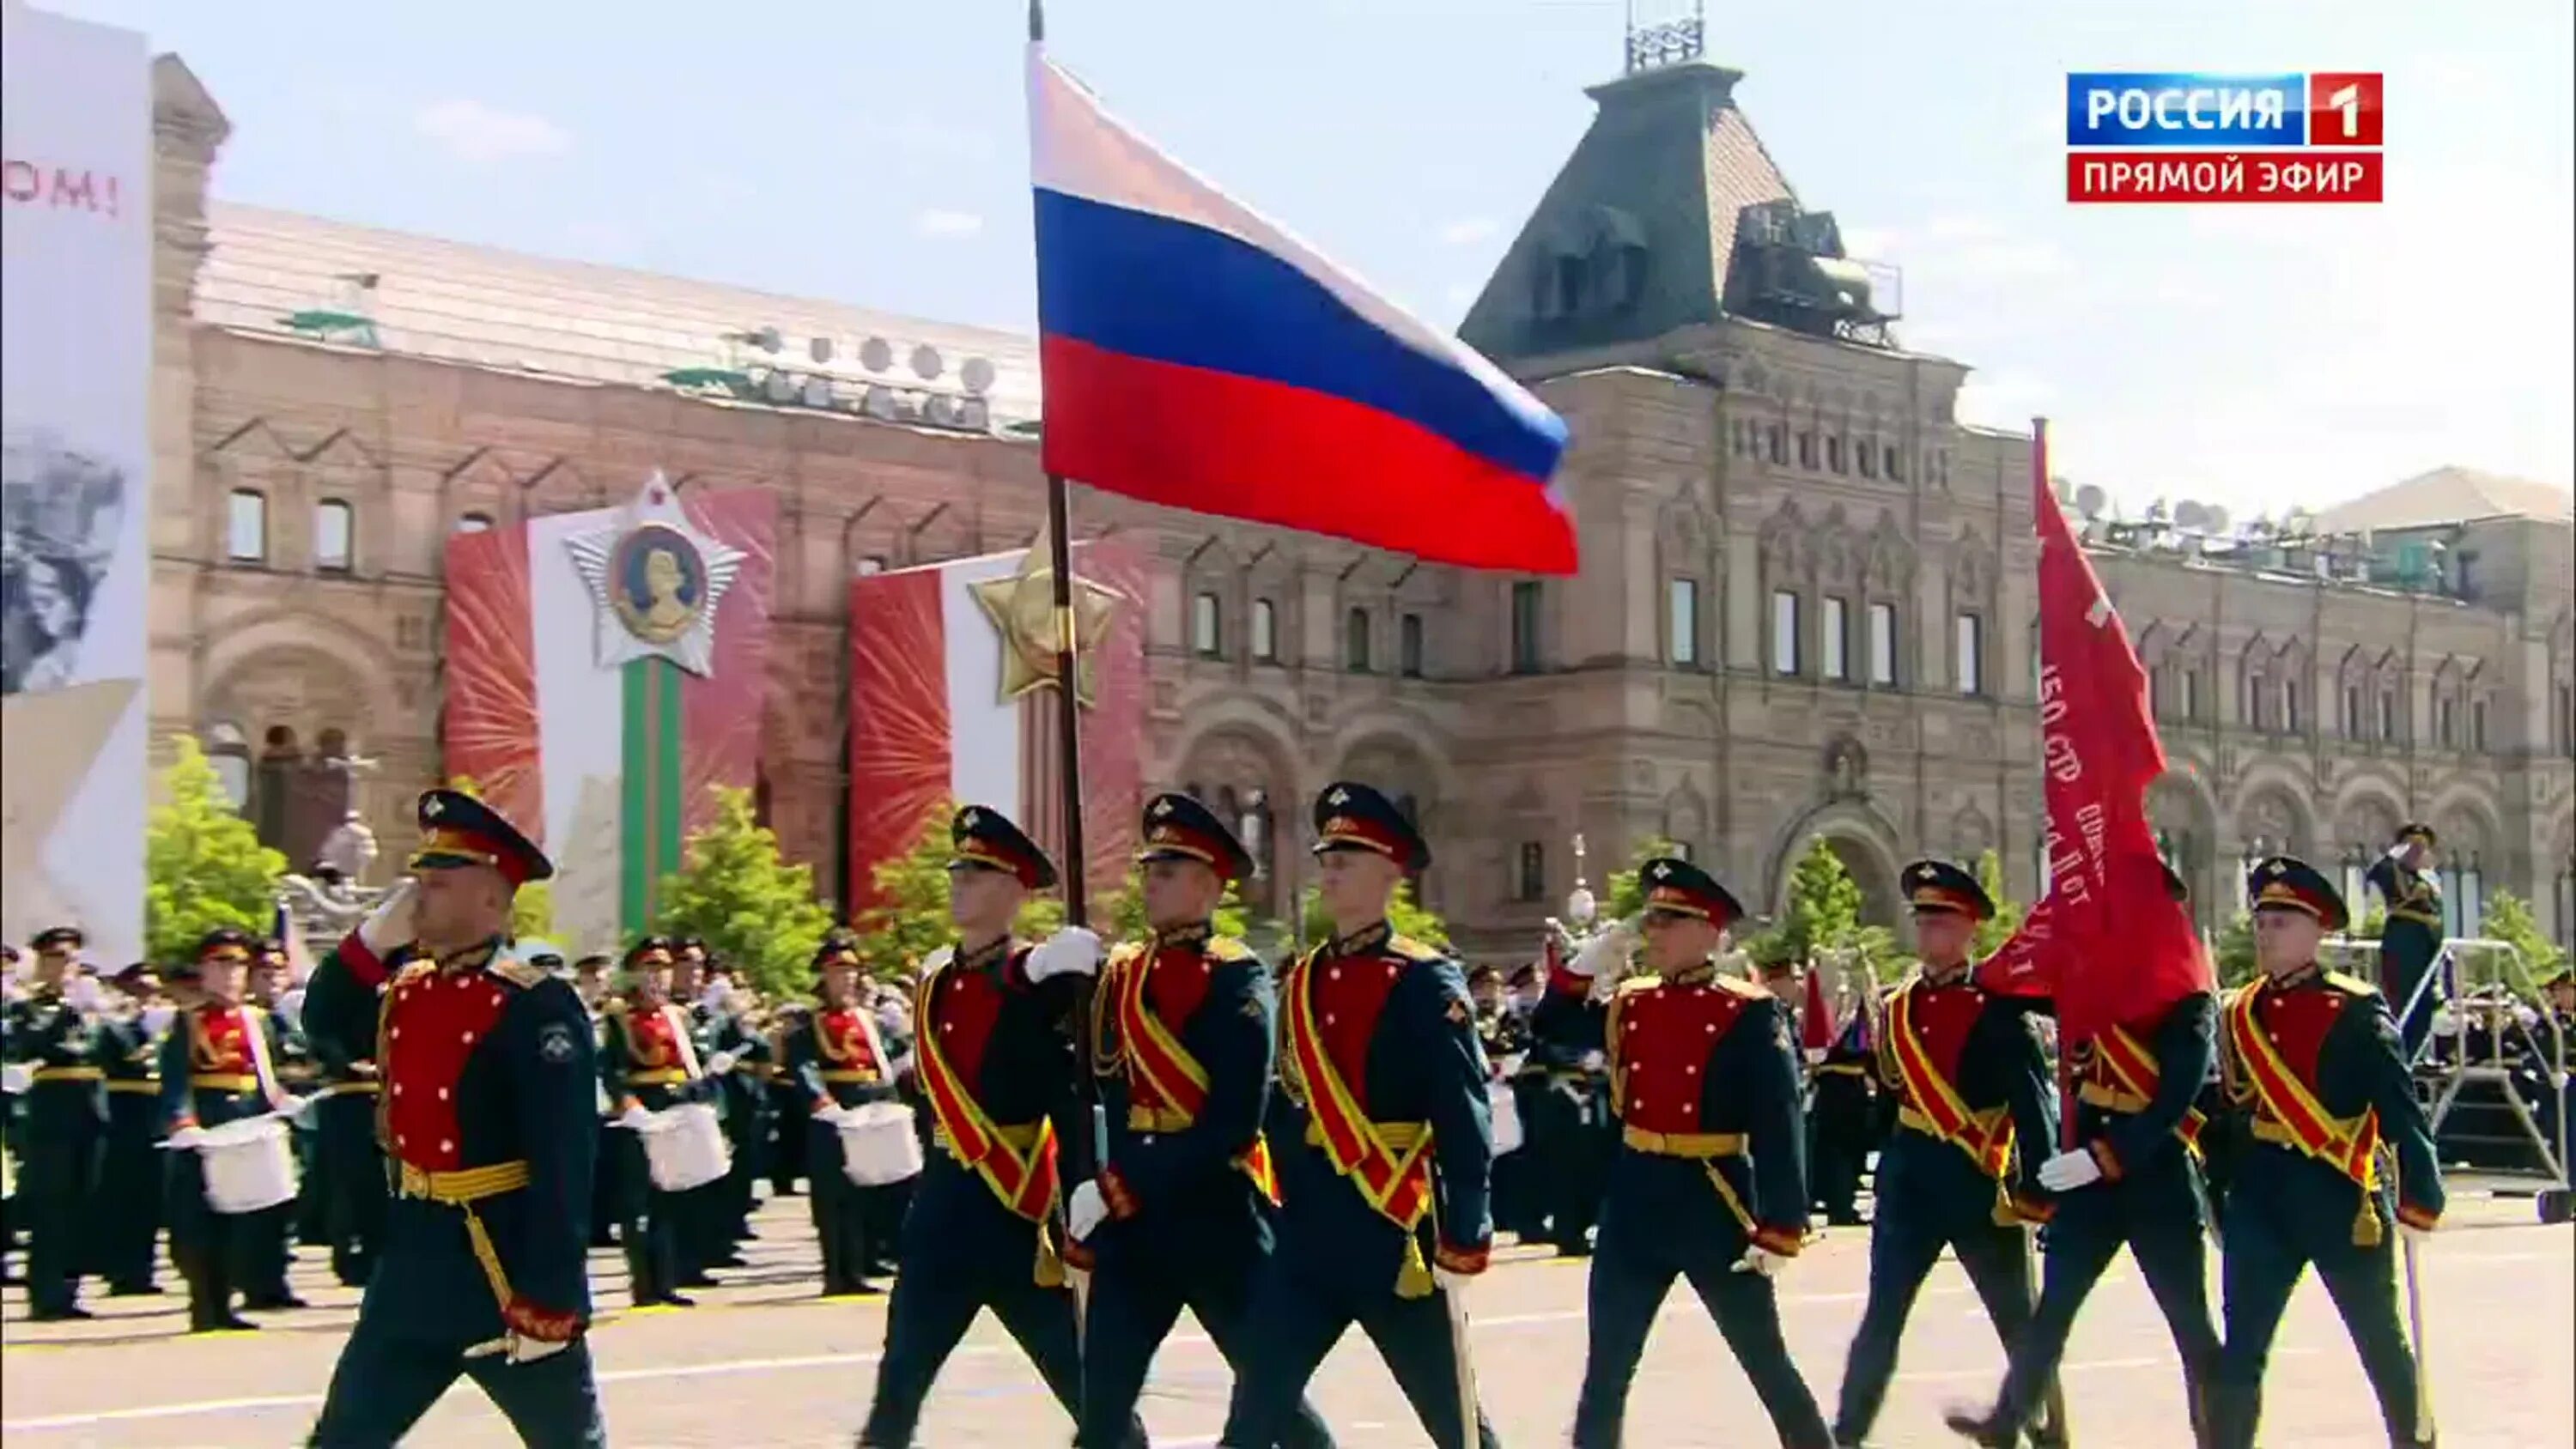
(2187, 136)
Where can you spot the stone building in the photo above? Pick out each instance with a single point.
(1806, 609)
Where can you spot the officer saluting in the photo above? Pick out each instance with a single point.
(1710, 1182)
(1972, 1087)
(1183, 1046)
(2312, 1057)
(1385, 1179)
(488, 1122)
(2412, 935)
(997, 1035)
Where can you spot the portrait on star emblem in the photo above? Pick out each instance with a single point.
(659, 582)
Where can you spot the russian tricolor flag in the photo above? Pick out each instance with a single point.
(1198, 356)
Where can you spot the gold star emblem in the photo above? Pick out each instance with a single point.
(1022, 607)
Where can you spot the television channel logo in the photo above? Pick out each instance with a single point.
(2190, 136)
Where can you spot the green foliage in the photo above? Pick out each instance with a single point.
(752, 908)
(1624, 895)
(532, 914)
(2234, 955)
(2509, 919)
(1823, 911)
(205, 866)
(1120, 915)
(1993, 932)
(910, 919)
(1405, 915)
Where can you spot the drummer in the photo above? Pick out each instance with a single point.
(837, 1061)
(648, 1062)
(214, 1070)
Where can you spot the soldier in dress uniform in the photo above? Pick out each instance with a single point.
(743, 1087)
(996, 1052)
(648, 1062)
(590, 982)
(1385, 1146)
(1974, 1095)
(214, 1070)
(1842, 1113)
(2412, 935)
(264, 1238)
(1571, 1128)
(835, 1058)
(488, 1078)
(2314, 1061)
(1709, 1183)
(2134, 1179)
(52, 1036)
(349, 1165)
(128, 1211)
(703, 1234)
(1180, 1215)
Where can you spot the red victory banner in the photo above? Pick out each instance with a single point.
(2109, 944)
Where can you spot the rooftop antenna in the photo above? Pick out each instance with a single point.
(1671, 40)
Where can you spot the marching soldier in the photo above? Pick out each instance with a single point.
(2314, 1061)
(214, 1070)
(487, 1073)
(349, 1166)
(648, 1062)
(263, 1238)
(995, 1052)
(52, 1034)
(1571, 1131)
(2412, 935)
(1972, 1087)
(1709, 1183)
(1387, 1147)
(835, 1058)
(128, 1213)
(1180, 1215)
(1843, 1114)
(2136, 1180)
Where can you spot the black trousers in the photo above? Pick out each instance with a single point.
(2170, 1258)
(847, 1217)
(2261, 1267)
(1631, 1273)
(936, 1298)
(1136, 1298)
(385, 1382)
(58, 1193)
(127, 1216)
(1900, 1258)
(1298, 1314)
(203, 1243)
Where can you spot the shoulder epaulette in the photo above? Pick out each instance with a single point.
(1737, 985)
(1228, 948)
(414, 971)
(613, 1006)
(938, 959)
(2350, 985)
(520, 973)
(1125, 951)
(1635, 984)
(1413, 950)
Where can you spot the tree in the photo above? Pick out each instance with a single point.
(1999, 928)
(733, 891)
(1624, 894)
(1120, 915)
(205, 865)
(1405, 915)
(1823, 912)
(910, 919)
(2234, 956)
(532, 914)
(2508, 919)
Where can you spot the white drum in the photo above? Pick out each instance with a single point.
(250, 1165)
(878, 1144)
(1507, 1117)
(685, 1147)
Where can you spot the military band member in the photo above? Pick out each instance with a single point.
(128, 1211)
(996, 1043)
(2313, 1059)
(1570, 1130)
(648, 1063)
(264, 1236)
(214, 1070)
(1974, 1096)
(590, 983)
(2134, 1178)
(742, 1087)
(488, 1110)
(704, 1235)
(1180, 1215)
(349, 1165)
(1386, 1146)
(835, 1058)
(2412, 935)
(1709, 1183)
(52, 1037)
(1842, 1113)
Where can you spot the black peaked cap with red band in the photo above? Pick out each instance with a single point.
(983, 838)
(1180, 828)
(2287, 883)
(1938, 885)
(1675, 885)
(1351, 816)
(223, 943)
(649, 951)
(457, 830)
(838, 949)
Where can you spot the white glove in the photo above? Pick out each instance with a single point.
(1074, 949)
(721, 1063)
(1603, 954)
(16, 1077)
(304, 1109)
(157, 1019)
(1596, 1060)
(519, 1348)
(1761, 1261)
(185, 1139)
(633, 1119)
(830, 1112)
(2068, 1171)
(1084, 1211)
(81, 992)
(389, 924)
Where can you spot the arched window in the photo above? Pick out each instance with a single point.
(334, 535)
(474, 523)
(229, 752)
(1355, 641)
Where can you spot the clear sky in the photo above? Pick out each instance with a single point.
(873, 152)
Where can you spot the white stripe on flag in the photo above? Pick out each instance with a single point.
(983, 730)
(580, 707)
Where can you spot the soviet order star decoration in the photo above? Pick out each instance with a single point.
(655, 582)
(1022, 607)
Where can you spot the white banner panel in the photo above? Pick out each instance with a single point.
(75, 383)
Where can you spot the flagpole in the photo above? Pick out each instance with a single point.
(2053, 1396)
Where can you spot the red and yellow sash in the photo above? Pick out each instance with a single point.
(1987, 1137)
(1024, 1178)
(1167, 1069)
(1395, 1183)
(2135, 1070)
(2349, 1145)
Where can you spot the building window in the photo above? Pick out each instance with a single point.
(1206, 639)
(1355, 641)
(1779, 443)
(333, 525)
(1530, 882)
(2189, 690)
(1408, 646)
(2478, 725)
(871, 565)
(1834, 452)
(1525, 600)
(474, 523)
(1784, 632)
(2388, 714)
(2445, 727)
(1265, 631)
(228, 750)
(1966, 640)
(2257, 703)
(1833, 642)
(1866, 455)
(2564, 729)
(1806, 450)
(2355, 721)
(2463, 897)
(2290, 706)
(1882, 643)
(1895, 465)
(1683, 620)
(246, 526)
